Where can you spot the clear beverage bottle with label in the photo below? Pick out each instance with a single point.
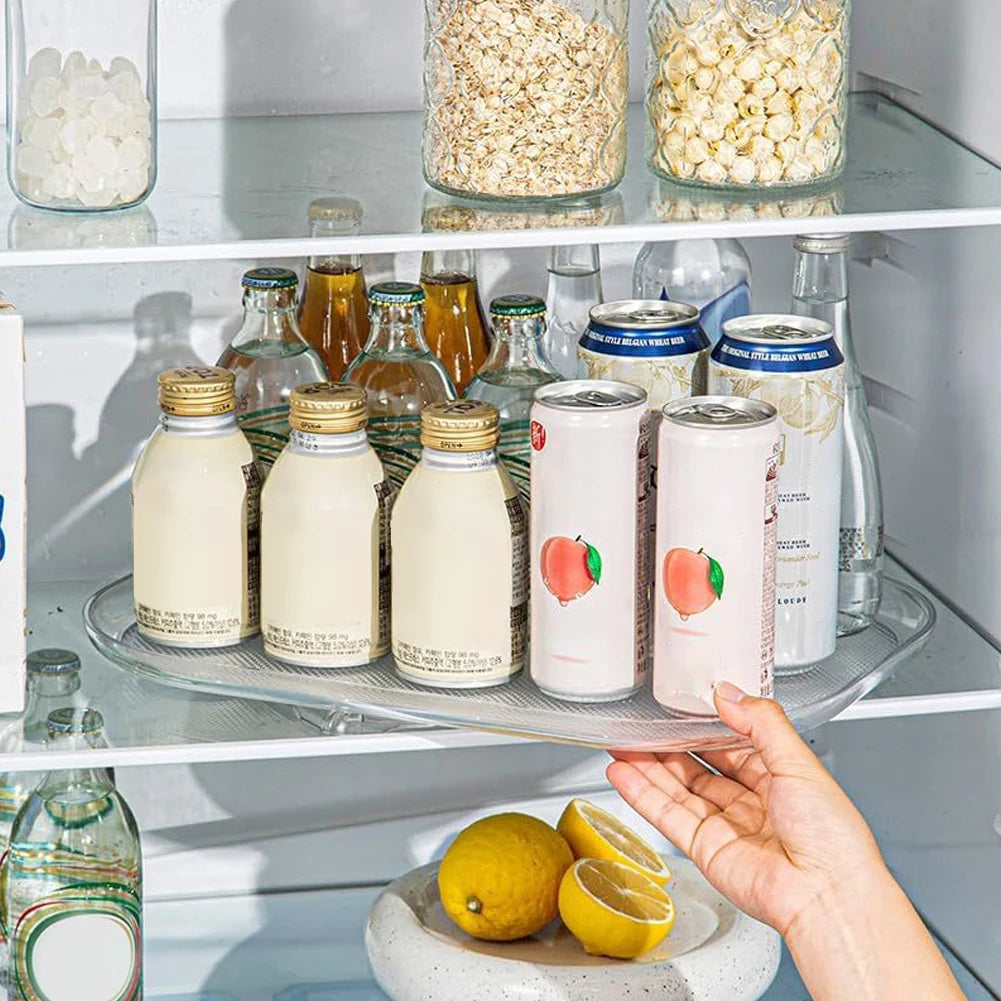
(714, 275)
(574, 287)
(74, 879)
(333, 307)
(326, 505)
(399, 373)
(820, 290)
(516, 365)
(269, 357)
(455, 325)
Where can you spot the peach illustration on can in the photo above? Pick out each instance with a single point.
(570, 567)
(692, 581)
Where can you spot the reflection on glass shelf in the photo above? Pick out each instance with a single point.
(240, 188)
(308, 947)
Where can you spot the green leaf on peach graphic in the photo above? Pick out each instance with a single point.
(715, 576)
(593, 563)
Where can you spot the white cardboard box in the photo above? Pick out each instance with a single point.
(13, 511)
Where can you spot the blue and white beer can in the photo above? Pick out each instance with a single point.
(657, 345)
(793, 363)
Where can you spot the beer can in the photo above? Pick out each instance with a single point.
(793, 363)
(657, 345)
(717, 508)
(589, 540)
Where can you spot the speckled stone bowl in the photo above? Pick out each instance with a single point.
(714, 953)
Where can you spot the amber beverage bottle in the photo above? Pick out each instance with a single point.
(333, 310)
(455, 325)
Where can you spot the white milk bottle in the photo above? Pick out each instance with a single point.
(195, 517)
(325, 536)
(460, 556)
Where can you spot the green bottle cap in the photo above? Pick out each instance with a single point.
(396, 293)
(52, 660)
(517, 305)
(270, 278)
(73, 720)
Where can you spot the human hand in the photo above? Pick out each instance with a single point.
(773, 831)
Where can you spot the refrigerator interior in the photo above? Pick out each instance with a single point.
(260, 870)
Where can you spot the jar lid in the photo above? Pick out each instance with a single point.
(460, 426)
(517, 305)
(328, 408)
(74, 720)
(270, 278)
(396, 293)
(52, 661)
(829, 243)
(333, 209)
(197, 391)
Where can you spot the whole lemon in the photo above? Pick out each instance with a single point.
(500, 878)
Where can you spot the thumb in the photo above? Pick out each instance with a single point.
(765, 723)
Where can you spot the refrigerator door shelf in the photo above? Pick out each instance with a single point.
(811, 697)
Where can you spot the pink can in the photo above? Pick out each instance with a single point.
(717, 514)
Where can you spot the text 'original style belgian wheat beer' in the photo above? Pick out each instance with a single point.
(659, 346)
(717, 508)
(196, 517)
(460, 574)
(325, 514)
(793, 363)
(590, 540)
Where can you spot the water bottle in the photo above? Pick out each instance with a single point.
(820, 290)
(714, 275)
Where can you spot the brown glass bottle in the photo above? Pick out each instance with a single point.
(333, 310)
(455, 326)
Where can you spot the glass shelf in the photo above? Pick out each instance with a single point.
(238, 188)
(811, 697)
(308, 946)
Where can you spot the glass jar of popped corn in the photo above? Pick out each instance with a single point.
(525, 99)
(81, 100)
(747, 93)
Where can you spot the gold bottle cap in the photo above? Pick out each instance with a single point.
(197, 391)
(328, 408)
(460, 426)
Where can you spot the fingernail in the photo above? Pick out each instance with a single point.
(730, 693)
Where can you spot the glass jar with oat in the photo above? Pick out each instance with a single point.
(748, 93)
(525, 99)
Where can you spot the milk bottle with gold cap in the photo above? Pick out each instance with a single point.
(325, 536)
(195, 517)
(460, 556)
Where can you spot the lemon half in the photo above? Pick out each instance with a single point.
(613, 910)
(595, 833)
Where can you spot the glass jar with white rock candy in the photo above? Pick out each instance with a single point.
(747, 93)
(81, 102)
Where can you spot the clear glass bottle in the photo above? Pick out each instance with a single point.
(516, 365)
(574, 287)
(454, 324)
(326, 504)
(269, 357)
(748, 93)
(53, 683)
(820, 290)
(400, 374)
(333, 308)
(714, 275)
(457, 623)
(74, 876)
(81, 95)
